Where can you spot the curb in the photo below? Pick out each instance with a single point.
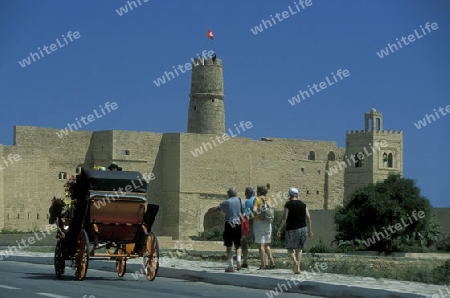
(270, 283)
(246, 281)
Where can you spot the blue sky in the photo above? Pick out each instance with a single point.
(116, 58)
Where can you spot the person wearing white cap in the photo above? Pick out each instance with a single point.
(298, 227)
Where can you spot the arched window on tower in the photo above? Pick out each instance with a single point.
(385, 160)
(369, 124)
(331, 156)
(359, 160)
(390, 160)
(378, 124)
(312, 155)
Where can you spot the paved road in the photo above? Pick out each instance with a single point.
(21, 279)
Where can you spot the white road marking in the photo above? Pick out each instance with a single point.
(9, 288)
(52, 295)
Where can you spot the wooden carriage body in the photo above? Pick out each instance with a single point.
(119, 220)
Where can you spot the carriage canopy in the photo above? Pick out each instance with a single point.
(95, 180)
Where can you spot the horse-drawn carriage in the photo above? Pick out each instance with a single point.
(108, 211)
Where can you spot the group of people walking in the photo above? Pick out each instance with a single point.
(296, 219)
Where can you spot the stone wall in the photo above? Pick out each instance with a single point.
(2, 194)
(186, 187)
(243, 162)
(322, 222)
(443, 218)
(30, 183)
(324, 228)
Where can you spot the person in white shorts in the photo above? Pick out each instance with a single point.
(262, 229)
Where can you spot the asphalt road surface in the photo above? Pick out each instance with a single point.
(20, 279)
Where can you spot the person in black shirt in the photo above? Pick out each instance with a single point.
(298, 227)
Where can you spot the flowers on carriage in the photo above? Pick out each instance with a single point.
(69, 187)
(99, 168)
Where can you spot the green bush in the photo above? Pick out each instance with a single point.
(442, 273)
(371, 209)
(443, 244)
(213, 234)
(7, 231)
(278, 242)
(319, 248)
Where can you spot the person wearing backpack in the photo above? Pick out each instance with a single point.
(262, 226)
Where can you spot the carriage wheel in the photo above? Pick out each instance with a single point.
(58, 260)
(151, 255)
(82, 255)
(121, 263)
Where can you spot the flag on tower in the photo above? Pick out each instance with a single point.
(210, 34)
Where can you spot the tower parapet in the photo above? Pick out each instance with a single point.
(209, 61)
(206, 105)
(373, 121)
(380, 132)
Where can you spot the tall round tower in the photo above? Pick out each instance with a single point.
(206, 107)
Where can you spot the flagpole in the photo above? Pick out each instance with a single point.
(210, 36)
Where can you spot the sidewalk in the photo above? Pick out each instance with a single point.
(312, 283)
(275, 281)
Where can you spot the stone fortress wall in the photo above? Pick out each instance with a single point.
(185, 186)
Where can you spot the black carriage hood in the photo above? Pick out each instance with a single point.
(125, 181)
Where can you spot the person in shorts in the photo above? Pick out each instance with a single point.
(262, 228)
(298, 227)
(232, 232)
(245, 240)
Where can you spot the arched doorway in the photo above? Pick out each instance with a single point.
(213, 217)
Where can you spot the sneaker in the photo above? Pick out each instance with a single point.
(238, 266)
(229, 269)
(244, 265)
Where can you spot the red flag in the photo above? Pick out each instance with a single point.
(210, 34)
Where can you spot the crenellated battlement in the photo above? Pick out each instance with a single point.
(378, 132)
(210, 61)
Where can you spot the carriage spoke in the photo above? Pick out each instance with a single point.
(82, 255)
(59, 261)
(151, 255)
